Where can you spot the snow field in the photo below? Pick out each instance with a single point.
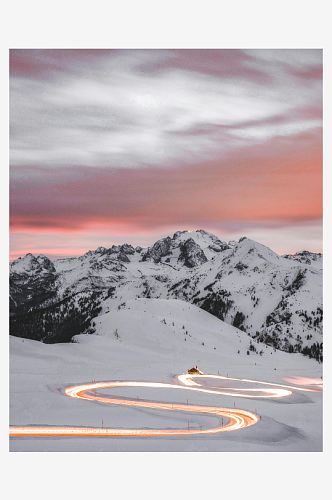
(147, 348)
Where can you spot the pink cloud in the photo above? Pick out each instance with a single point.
(280, 180)
(42, 63)
(309, 73)
(227, 63)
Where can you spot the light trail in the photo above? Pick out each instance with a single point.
(316, 382)
(229, 391)
(238, 419)
(186, 379)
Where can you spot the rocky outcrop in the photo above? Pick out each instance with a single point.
(160, 249)
(191, 254)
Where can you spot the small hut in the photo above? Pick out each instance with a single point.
(195, 370)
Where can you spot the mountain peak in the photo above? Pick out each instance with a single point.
(29, 264)
(178, 234)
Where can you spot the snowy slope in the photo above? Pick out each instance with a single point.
(154, 340)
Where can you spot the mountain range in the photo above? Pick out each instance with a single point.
(277, 300)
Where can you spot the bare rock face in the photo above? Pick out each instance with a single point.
(160, 249)
(219, 247)
(191, 254)
(127, 249)
(122, 256)
(121, 252)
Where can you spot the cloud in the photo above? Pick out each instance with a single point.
(136, 108)
(275, 60)
(139, 141)
(279, 180)
(226, 64)
(44, 63)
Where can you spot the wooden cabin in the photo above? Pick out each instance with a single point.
(195, 370)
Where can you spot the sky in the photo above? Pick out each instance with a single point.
(131, 145)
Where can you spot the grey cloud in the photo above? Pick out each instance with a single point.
(297, 58)
(111, 109)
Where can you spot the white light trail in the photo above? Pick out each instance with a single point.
(186, 379)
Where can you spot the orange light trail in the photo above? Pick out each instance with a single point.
(238, 419)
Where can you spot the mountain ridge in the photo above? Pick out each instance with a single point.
(275, 299)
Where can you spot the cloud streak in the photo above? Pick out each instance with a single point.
(280, 180)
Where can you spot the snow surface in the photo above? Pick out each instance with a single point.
(154, 340)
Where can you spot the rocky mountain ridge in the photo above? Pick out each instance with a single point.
(276, 299)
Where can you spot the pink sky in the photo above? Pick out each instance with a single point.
(108, 147)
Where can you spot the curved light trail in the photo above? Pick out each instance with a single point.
(238, 419)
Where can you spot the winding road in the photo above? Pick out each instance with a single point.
(236, 418)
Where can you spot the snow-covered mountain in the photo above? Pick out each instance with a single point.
(313, 259)
(276, 299)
